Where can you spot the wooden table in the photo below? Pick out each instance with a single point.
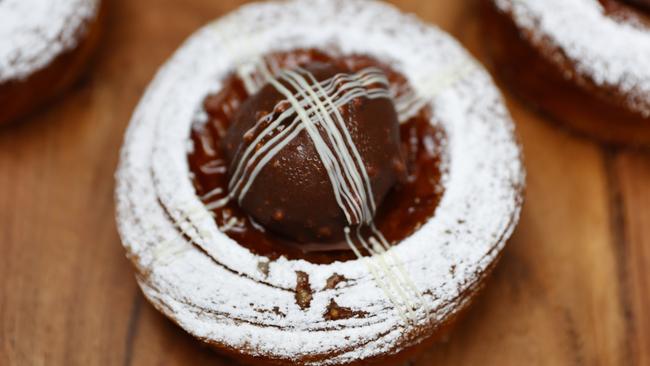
(572, 288)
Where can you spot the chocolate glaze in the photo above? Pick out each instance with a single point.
(645, 4)
(406, 206)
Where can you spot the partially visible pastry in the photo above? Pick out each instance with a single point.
(44, 47)
(584, 62)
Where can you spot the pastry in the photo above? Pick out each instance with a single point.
(45, 47)
(318, 183)
(585, 62)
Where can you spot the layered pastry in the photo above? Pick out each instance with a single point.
(584, 62)
(318, 182)
(44, 47)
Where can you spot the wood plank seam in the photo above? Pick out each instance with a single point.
(132, 329)
(621, 250)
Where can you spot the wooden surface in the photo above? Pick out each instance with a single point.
(573, 287)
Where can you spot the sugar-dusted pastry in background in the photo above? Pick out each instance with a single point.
(44, 47)
(318, 182)
(584, 62)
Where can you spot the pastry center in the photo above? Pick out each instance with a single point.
(315, 156)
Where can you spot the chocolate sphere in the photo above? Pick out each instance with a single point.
(292, 195)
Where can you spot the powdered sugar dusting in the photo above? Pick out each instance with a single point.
(607, 51)
(34, 32)
(221, 292)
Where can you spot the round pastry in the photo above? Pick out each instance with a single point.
(318, 182)
(585, 62)
(45, 47)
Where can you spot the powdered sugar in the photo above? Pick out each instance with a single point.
(34, 32)
(224, 294)
(605, 50)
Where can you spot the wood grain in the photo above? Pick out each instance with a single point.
(573, 287)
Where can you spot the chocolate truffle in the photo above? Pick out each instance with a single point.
(289, 190)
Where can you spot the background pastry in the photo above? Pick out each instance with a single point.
(585, 62)
(44, 47)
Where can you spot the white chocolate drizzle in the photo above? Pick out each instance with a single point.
(316, 106)
(345, 168)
